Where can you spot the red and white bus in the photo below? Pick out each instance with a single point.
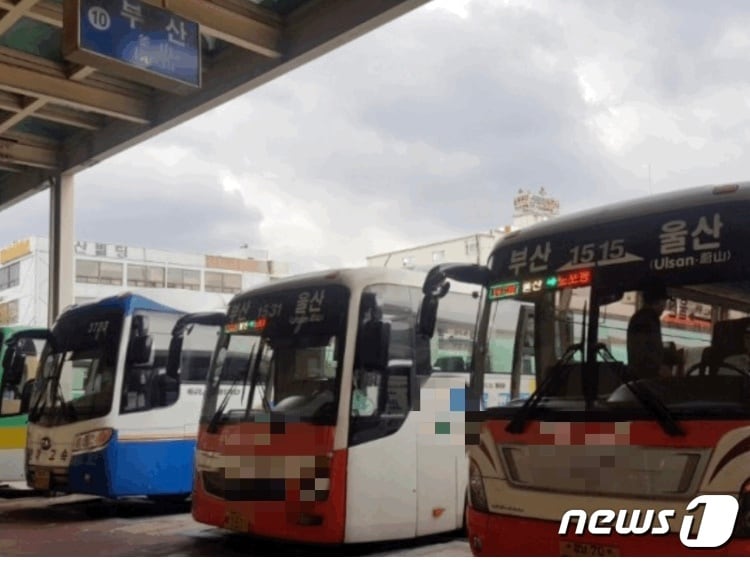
(600, 436)
(327, 419)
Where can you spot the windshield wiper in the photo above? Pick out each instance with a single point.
(66, 409)
(254, 382)
(37, 409)
(648, 399)
(518, 422)
(213, 424)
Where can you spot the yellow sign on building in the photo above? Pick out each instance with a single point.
(15, 250)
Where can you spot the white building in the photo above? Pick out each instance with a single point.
(529, 208)
(186, 281)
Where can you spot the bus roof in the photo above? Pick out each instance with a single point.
(351, 276)
(126, 301)
(651, 206)
(687, 236)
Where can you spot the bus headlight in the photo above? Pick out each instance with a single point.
(477, 496)
(206, 461)
(91, 440)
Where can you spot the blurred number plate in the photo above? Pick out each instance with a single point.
(576, 549)
(236, 522)
(41, 479)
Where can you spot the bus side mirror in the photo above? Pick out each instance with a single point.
(373, 347)
(140, 349)
(427, 317)
(13, 366)
(8, 359)
(140, 325)
(26, 393)
(173, 359)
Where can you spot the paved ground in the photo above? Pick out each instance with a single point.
(83, 526)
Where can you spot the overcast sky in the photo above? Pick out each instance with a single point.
(426, 128)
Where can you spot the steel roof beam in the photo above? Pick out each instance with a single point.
(16, 149)
(45, 11)
(14, 14)
(16, 187)
(237, 72)
(56, 114)
(27, 111)
(11, 167)
(221, 20)
(230, 25)
(72, 94)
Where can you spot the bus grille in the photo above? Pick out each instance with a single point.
(244, 489)
(258, 489)
(633, 471)
(58, 477)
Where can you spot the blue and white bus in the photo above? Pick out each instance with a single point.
(105, 419)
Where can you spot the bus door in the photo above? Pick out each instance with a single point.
(381, 494)
(16, 388)
(441, 457)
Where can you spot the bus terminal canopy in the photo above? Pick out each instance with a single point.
(81, 80)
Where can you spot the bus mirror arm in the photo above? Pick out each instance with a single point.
(436, 285)
(15, 346)
(13, 372)
(201, 318)
(173, 358)
(178, 332)
(15, 355)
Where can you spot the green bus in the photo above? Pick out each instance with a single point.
(15, 395)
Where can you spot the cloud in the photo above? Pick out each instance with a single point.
(425, 129)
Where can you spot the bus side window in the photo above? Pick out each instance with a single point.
(145, 385)
(380, 399)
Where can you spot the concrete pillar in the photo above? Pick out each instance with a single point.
(61, 245)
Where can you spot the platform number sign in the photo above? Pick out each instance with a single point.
(99, 18)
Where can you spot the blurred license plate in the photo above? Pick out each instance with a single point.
(235, 522)
(577, 549)
(41, 479)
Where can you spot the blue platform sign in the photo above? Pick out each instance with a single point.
(142, 36)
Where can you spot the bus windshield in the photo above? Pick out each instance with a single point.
(78, 378)
(629, 326)
(279, 354)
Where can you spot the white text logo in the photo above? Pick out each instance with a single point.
(716, 527)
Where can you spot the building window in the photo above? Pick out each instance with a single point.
(142, 275)
(223, 282)
(10, 276)
(9, 312)
(98, 272)
(438, 256)
(184, 278)
(471, 247)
